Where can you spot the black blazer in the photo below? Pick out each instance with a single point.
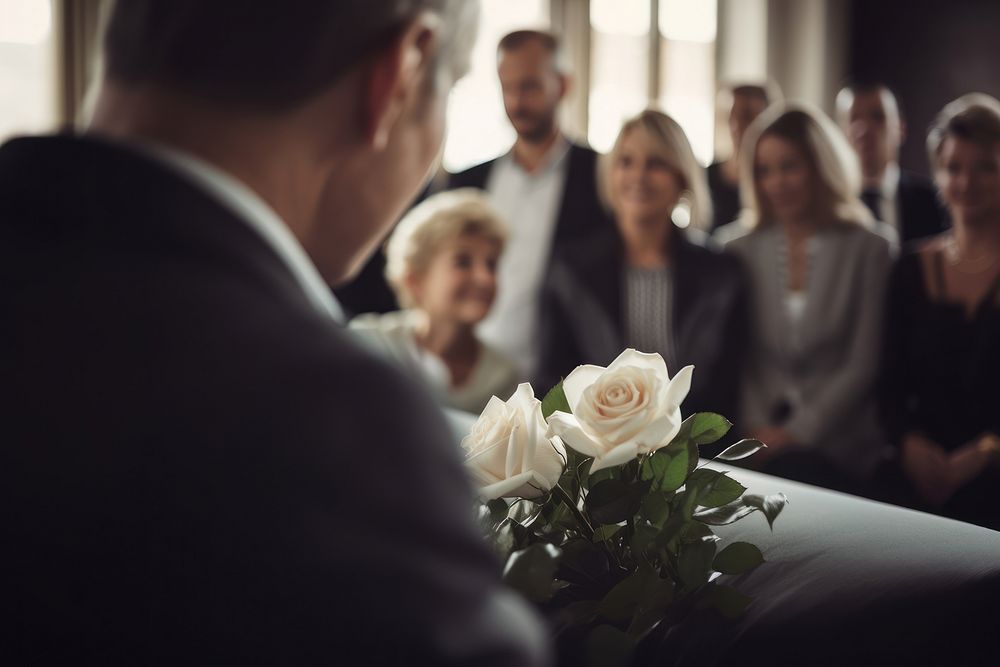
(198, 466)
(580, 211)
(920, 211)
(583, 317)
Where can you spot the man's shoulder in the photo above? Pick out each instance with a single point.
(474, 176)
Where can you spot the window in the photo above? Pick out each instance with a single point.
(687, 70)
(668, 62)
(28, 81)
(478, 128)
(619, 84)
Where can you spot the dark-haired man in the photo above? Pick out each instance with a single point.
(200, 466)
(870, 117)
(748, 100)
(544, 188)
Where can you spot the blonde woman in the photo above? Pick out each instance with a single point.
(941, 398)
(441, 263)
(649, 283)
(817, 264)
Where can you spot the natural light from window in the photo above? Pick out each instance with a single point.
(27, 68)
(478, 129)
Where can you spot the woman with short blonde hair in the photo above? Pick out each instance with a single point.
(817, 264)
(940, 395)
(441, 262)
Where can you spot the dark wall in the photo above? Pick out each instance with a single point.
(929, 52)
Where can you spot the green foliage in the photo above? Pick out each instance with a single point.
(554, 401)
(614, 501)
(531, 571)
(738, 558)
(626, 551)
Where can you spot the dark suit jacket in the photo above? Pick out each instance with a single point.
(580, 211)
(198, 466)
(584, 316)
(920, 211)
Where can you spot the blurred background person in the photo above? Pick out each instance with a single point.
(870, 116)
(442, 262)
(647, 283)
(544, 188)
(817, 281)
(747, 102)
(940, 391)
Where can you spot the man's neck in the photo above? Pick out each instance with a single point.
(873, 178)
(265, 159)
(532, 155)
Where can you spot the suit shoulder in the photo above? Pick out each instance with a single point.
(474, 176)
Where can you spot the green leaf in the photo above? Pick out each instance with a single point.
(642, 591)
(498, 510)
(586, 559)
(666, 470)
(578, 613)
(694, 563)
(614, 501)
(770, 505)
(741, 450)
(738, 558)
(721, 516)
(607, 646)
(603, 533)
(728, 601)
(554, 401)
(656, 508)
(697, 532)
(714, 488)
(642, 537)
(532, 571)
(704, 428)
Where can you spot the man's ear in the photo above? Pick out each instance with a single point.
(902, 131)
(394, 77)
(565, 85)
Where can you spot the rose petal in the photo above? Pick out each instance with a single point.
(659, 433)
(550, 460)
(506, 488)
(577, 381)
(569, 429)
(617, 456)
(679, 388)
(630, 357)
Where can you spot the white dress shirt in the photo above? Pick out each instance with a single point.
(888, 205)
(528, 203)
(248, 206)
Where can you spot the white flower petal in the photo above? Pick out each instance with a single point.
(659, 433)
(679, 388)
(616, 457)
(569, 429)
(577, 381)
(508, 488)
(630, 357)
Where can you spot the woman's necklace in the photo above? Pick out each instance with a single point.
(965, 264)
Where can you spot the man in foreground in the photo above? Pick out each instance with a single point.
(199, 465)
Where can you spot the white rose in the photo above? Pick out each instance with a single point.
(508, 451)
(630, 408)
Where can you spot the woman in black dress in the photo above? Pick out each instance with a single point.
(941, 376)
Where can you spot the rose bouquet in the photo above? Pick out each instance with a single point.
(597, 502)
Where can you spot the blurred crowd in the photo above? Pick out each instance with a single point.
(840, 309)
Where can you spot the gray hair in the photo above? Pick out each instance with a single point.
(268, 55)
